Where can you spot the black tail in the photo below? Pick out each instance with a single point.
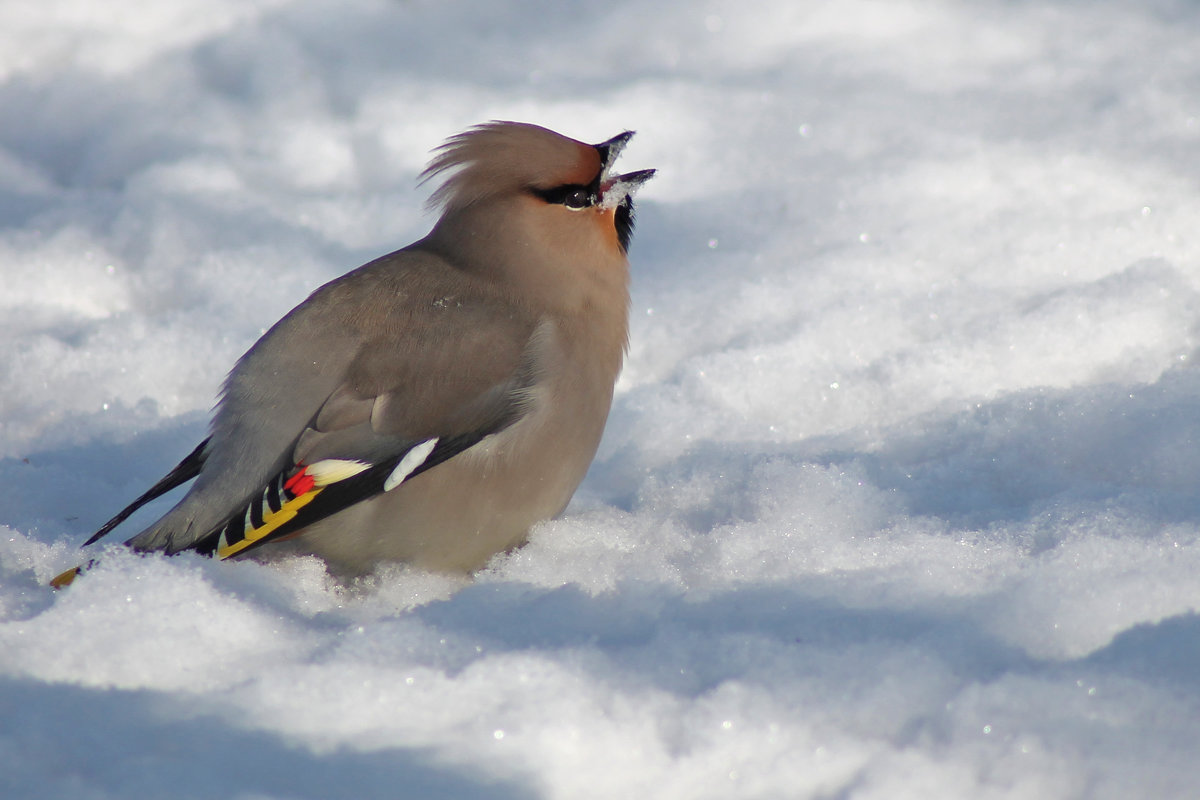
(183, 472)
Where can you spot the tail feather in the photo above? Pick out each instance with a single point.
(184, 471)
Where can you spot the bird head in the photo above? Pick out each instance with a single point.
(561, 186)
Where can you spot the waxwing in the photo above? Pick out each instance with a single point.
(433, 404)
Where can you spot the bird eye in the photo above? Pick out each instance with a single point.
(577, 198)
(572, 195)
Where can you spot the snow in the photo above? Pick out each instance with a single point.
(898, 495)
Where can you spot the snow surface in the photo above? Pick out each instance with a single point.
(898, 498)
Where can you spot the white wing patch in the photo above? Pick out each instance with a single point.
(332, 470)
(412, 459)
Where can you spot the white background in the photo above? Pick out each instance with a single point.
(898, 497)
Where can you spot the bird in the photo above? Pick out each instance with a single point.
(432, 405)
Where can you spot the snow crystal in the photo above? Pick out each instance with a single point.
(897, 498)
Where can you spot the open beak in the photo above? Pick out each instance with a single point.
(614, 189)
(610, 150)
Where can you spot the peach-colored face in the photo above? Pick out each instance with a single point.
(568, 228)
(503, 157)
(608, 221)
(584, 173)
(509, 162)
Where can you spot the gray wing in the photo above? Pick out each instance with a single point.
(391, 361)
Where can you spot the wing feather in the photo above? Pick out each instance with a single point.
(299, 497)
(183, 472)
(401, 351)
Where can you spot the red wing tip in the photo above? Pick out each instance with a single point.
(300, 482)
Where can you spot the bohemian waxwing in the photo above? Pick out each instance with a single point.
(432, 405)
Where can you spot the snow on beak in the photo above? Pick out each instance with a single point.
(613, 190)
(610, 150)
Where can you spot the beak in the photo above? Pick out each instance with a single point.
(614, 191)
(610, 149)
